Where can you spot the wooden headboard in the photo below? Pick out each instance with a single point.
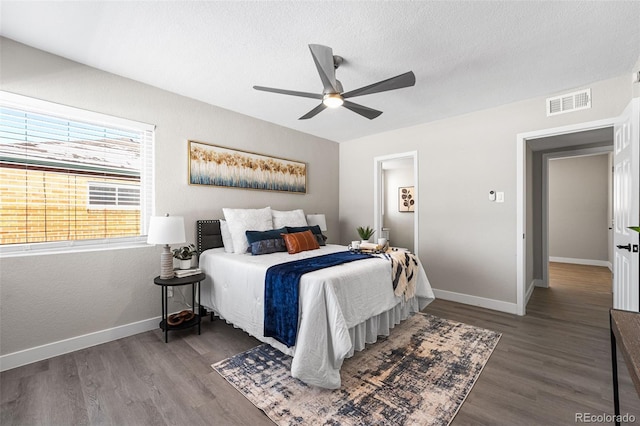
(208, 235)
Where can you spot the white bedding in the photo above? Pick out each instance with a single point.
(341, 307)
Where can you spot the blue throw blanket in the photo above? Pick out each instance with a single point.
(281, 289)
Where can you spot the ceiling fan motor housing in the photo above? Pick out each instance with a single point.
(338, 86)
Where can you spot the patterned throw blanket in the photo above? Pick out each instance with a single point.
(281, 289)
(404, 270)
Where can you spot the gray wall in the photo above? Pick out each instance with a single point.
(400, 224)
(578, 207)
(47, 298)
(467, 244)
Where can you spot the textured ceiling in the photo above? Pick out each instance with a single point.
(466, 55)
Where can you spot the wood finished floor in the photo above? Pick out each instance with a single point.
(550, 364)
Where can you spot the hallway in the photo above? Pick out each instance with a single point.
(552, 363)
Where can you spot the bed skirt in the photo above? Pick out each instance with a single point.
(362, 334)
(367, 332)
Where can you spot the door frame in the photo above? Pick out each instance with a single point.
(378, 193)
(521, 191)
(601, 150)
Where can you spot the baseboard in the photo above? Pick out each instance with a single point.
(537, 282)
(590, 262)
(39, 353)
(532, 285)
(496, 305)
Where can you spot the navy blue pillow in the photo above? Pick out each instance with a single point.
(267, 246)
(315, 229)
(253, 236)
(322, 240)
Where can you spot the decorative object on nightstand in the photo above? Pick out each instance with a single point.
(166, 230)
(365, 233)
(184, 255)
(181, 273)
(317, 219)
(384, 233)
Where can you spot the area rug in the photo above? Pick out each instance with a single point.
(419, 375)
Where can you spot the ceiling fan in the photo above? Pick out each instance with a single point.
(333, 95)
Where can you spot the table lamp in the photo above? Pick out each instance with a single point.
(166, 230)
(317, 219)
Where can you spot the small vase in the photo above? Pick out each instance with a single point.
(185, 263)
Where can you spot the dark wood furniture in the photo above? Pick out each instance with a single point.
(625, 334)
(194, 281)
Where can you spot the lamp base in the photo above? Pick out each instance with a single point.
(166, 263)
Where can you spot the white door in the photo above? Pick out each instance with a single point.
(626, 187)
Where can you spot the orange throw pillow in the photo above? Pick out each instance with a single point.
(300, 241)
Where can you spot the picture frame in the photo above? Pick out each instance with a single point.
(406, 199)
(214, 165)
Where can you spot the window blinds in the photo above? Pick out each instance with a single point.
(69, 174)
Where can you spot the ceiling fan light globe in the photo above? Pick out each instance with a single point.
(332, 100)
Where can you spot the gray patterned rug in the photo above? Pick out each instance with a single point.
(419, 375)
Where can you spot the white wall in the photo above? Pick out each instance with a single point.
(467, 244)
(636, 75)
(578, 208)
(400, 224)
(48, 298)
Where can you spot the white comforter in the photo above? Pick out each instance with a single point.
(335, 304)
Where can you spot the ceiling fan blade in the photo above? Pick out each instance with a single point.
(323, 57)
(289, 92)
(364, 111)
(313, 112)
(398, 82)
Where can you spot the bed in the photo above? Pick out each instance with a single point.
(341, 308)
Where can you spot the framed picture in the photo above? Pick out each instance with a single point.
(406, 199)
(220, 166)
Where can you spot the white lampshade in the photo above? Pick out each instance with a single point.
(317, 219)
(166, 230)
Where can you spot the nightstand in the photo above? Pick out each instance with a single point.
(194, 281)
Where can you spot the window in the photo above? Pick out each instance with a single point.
(70, 176)
(113, 196)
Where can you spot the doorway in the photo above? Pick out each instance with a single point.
(531, 237)
(626, 202)
(392, 219)
(576, 208)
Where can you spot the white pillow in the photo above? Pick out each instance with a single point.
(288, 218)
(241, 220)
(226, 237)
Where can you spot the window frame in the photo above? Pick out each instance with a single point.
(147, 177)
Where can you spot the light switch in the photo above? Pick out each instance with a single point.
(499, 197)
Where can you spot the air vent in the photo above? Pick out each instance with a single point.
(569, 102)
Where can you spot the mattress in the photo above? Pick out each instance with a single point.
(341, 308)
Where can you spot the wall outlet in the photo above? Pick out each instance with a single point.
(169, 291)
